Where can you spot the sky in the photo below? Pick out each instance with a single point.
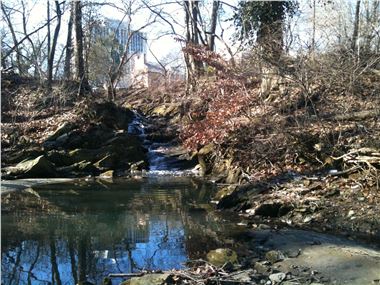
(163, 45)
(160, 44)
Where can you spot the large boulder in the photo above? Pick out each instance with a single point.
(125, 149)
(240, 199)
(39, 167)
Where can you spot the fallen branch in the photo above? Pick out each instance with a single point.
(355, 116)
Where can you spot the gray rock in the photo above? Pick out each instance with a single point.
(29, 153)
(277, 277)
(262, 268)
(61, 140)
(149, 279)
(221, 256)
(62, 129)
(82, 166)
(107, 174)
(39, 167)
(293, 253)
(59, 158)
(274, 256)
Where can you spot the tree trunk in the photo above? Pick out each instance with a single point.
(48, 37)
(194, 67)
(356, 27)
(37, 70)
(71, 244)
(69, 45)
(270, 37)
(194, 21)
(53, 260)
(80, 75)
(54, 45)
(214, 18)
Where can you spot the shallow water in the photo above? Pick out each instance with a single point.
(62, 233)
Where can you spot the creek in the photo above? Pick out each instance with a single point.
(103, 227)
(62, 231)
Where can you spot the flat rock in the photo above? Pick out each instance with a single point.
(107, 174)
(149, 279)
(61, 130)
(39, 167)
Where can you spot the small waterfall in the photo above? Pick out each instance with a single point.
(161, 162)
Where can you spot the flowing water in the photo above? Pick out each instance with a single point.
(62, 232)
(160, 163)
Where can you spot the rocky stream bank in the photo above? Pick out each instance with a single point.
(328, 200)
(100, 145)
(340, 204)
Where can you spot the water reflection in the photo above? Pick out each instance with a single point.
(67, 233)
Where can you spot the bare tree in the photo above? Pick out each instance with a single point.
(211, 33)
(52, 48)
(198, 31)
(18, 44)
(80, 74)
(34, 50)
(7, 15)
(193, 37)
(314, 26)
(356, 27)
(69, 44)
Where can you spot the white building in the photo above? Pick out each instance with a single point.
(137, 70)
